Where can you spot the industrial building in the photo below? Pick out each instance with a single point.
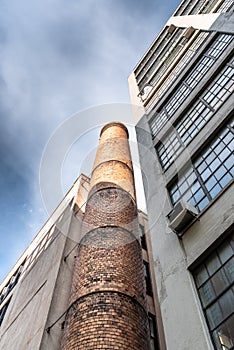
(183, 87)
(99, 276)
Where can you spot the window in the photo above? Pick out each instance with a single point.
(157, 54)
(193, 7)
(11, 283)
(142, 237)
(150, 55)
(209, 6)
(226, 6)
(209, 173)
(182, 7)
(153, 333)
(197, 116)
(190, 51)
(191, 80)
(3, 311)
(147, 278)
(214, 280)
(170, 57)
(198, 6)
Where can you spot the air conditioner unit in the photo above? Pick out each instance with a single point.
(181, 216)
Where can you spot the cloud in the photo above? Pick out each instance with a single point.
(59, 57)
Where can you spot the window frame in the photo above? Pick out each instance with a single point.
(3, 311)
(201, 112)
(209, 55)
(148, 282)
(190, 175)
(154, 337)
(203, 265)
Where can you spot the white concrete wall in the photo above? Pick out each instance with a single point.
(181, 313)
(42, 294)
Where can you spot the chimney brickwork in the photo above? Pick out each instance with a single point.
(108, 301)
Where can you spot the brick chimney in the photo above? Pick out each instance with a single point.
(108, 301)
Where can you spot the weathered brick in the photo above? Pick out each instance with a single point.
(108, 301)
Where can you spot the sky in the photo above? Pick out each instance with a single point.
(59, 58)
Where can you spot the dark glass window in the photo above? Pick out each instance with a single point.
(197, 116)
(215, 284)
(11, 284)
(153, 333)
(191, 80)
(3, 311)
(209, 173)
(147, 278)
(142, 237)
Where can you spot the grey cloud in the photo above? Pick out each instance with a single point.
(59, 57)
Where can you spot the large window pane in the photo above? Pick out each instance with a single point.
(209, 173)
(214, 280)
(191, 80)
(224, 335)
(198, 115)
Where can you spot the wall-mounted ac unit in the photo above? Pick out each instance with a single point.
(181, 216)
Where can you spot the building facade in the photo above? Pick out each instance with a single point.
(183, 86)
(86, 280)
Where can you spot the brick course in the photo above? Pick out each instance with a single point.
(108, 300)
(106, 320)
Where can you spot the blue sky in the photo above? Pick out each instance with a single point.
(58, 57)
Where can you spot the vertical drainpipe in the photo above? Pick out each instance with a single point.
(108, 300)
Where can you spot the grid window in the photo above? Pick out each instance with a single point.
(153, 332)
(168, 60)
(226, 6)
(208, 6)
(215, 284)
(157, 57)
(3, 311)
(210, 172)
(189, 7)
(198, 6)
(189, 188)
(198, 115)
(169, 149)
(190, 82)
(182, 7)
(180, 65)
(11, 283)
(184, 59)
(147, 60)
(194, 7)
